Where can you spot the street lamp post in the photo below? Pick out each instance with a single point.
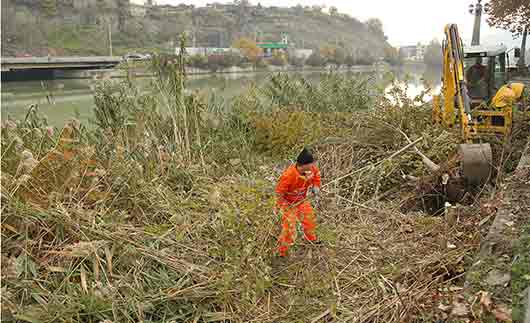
(476, 10)
(110, 37)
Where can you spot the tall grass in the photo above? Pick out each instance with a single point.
(164, 210)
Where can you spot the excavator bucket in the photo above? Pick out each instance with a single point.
(476, 163)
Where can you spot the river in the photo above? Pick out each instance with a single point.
(74, 97)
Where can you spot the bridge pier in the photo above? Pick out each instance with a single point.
(27, 75)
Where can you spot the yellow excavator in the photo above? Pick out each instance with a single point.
(478, 97)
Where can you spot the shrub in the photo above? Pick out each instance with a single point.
(296, 61)
(198, 61)
(278, 59)
(315, 59)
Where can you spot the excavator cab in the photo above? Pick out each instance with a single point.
(485, 72)
(475, 95)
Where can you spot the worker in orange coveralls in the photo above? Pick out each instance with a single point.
(292, 192)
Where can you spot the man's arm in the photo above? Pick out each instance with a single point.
(283, 186)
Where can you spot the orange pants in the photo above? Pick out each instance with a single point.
(290, 216)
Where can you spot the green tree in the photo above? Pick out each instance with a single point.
(278, 58)
(315, 59)
(339, 56)
(365, 57)
(349, 61)
(392, 56)
(198, 61)
(295, 61)
(512, 15)
(49, 7)
(433, 54)
(376, 26)
(123, 14)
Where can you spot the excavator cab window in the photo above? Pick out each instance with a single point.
(499, 73)
(477, 77)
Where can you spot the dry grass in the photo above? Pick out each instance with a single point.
(160, 228)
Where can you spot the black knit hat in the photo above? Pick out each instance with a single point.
(305, 157)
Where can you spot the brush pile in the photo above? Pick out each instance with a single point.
(163, 209)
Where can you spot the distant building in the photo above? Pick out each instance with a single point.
(407, 52)
(420, 53)
(207, 50)
(301, 53)
(269, 47)
(413, 53)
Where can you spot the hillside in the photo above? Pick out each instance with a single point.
(68, 27)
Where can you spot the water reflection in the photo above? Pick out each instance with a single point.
(61, 100)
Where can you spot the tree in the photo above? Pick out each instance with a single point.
(327, 53)
(198, 61)
(512, 15)
(392, 56)
(278, 58)
(315, 59)
(349, 61)
(299, 9)
(49, 7)
(249, 49)
(123, 14)
(433, 54)
(376, 26)
(317, 8)
(333, 11)
(339, 56)
(365, 57)
(296, 60)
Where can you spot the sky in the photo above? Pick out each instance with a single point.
(405, 22)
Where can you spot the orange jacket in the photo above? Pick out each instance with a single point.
(293, 186)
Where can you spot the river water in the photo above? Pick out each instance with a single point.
(74, 98)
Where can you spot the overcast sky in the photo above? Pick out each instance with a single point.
(405, 22)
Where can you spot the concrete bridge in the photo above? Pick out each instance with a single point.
(27, 68)
(29, 63)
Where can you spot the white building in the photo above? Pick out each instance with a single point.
(413, 53)
(301, 53)
(207, 50)
(420, 53)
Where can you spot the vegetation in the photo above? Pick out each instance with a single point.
(315, 59)
(248, 49)
(513, 16)
(339, 56)
(433, 54)
(163, 210)
(279, 58)
(365, 58)
(349, 61)
(393, 57)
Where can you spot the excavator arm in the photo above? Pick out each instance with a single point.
(475, 158)
(454, 91)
